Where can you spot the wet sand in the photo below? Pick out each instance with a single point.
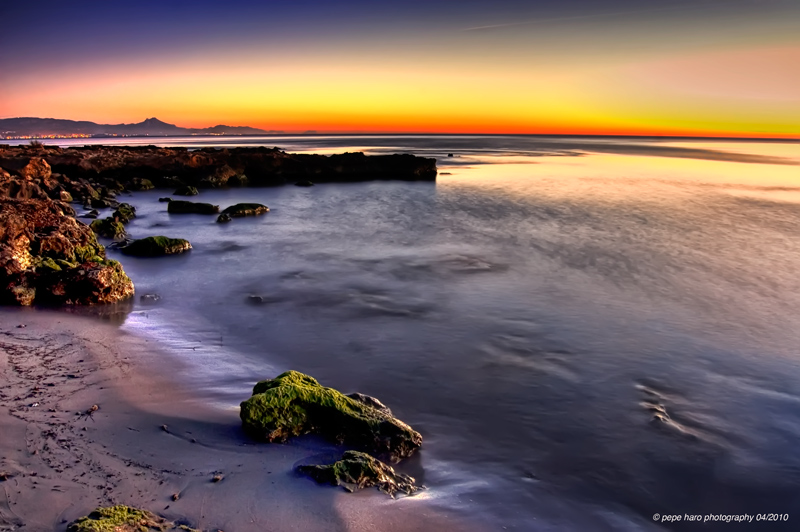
(151, 440)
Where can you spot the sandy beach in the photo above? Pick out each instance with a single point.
(150, 442)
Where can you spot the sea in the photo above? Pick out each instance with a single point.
(590, 333)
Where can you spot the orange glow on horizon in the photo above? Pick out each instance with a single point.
(678, 95)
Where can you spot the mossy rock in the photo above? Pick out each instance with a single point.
(156, 246)
(124, 213)
(186, 190)
(122, 518)
(293, 404)
(46, 264)
(191, 207)
(139, 184)
(356, 471)
(108, 227)
(245, 209)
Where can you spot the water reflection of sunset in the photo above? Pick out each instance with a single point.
(624, 178)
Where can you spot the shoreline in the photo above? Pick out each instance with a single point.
(61, 465)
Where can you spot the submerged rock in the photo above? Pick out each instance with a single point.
(357, 471)
(191, 207)
(186, 190)
(224, 218)
(156, 246)
(47, 257)
(293, 404)
(123, 518)
(245, 209)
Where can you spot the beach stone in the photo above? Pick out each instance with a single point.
(186, 190)
(48, 257)
(156, 246)
(356, 471)
(190, 207)
(245, 209)
(293, 404)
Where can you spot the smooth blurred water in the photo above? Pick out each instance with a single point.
(530, 313)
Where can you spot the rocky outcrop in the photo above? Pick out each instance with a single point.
(156, 246)
(143, 167)
(48, 257)
(191, 207)
(356, 471)
(241, 210)
(293, 404)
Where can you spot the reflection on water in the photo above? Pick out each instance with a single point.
(583, 341)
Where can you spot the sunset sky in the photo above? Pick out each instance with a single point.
(686, 67)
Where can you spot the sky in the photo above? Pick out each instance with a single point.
(617, 67)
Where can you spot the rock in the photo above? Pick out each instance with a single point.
(186, 190)
(245, 209)
(123, 518)
(190, 207)
(255, 300)
(156, 246)
(100, 203)
(65, 196)
(164, 200)
(47, 257)
(108, 227)
(370, 401)
(124, 213)
(239, 180)
(304, 183)
(140, 184)
(33, 168)
(449, 154)
(224, 218)
(149, 298)
(293, 404)
(357, 471)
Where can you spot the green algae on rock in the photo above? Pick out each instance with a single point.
(108, 227)
(357, 471)
(293, 404)
(245, 209)
(156, 246)
(124, 213)
(123, 518)
(191, 207)
(47, 257)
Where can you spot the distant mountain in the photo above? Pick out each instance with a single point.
(43, 127)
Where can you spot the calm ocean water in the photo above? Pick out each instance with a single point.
(587, 332)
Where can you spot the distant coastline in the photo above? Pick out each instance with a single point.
(32, 128)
